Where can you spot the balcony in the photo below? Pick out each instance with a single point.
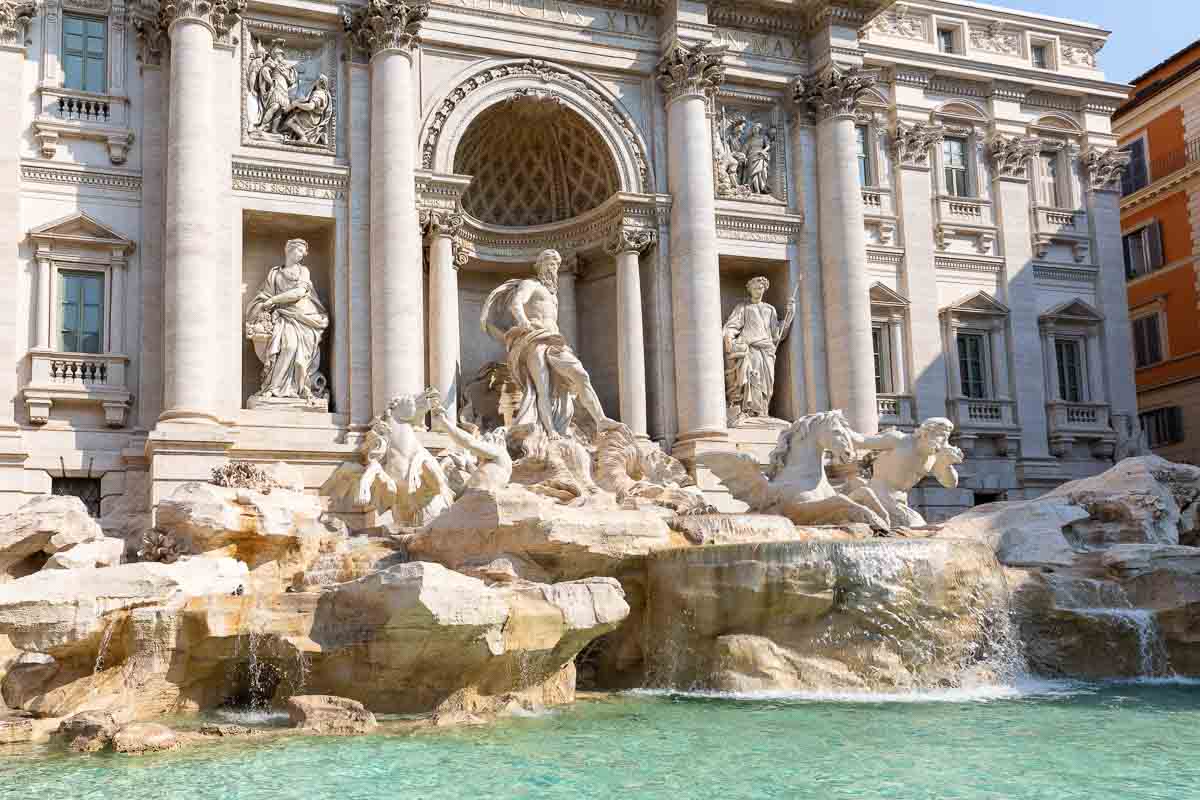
(77, 378)
(895, 409)
(1086, 422)
(1061, 226)
(983, 419)
(967, 217)
(879, 215)
(67, 113)
(1163, 167)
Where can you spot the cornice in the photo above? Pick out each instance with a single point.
(62, 175)
(291, 180)
(1151, 194)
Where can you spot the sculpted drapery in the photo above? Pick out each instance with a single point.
(752, 336)
(285, 321)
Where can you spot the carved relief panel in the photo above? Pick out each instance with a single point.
(289, 87)
(748, 147)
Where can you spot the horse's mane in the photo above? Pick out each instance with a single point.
(799, 430)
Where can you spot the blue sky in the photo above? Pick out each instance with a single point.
(1144, 31)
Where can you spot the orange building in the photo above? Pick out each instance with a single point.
(1160, 222)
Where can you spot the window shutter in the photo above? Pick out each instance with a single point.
(1154, 245)
(1175, 424)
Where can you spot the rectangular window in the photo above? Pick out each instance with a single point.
(1137, 174)
(1143, 250)
(881, 343)
(1147, 341)
(1070, 369)
(954, 161)
(945, 37)
(81, 311)
(1040, 55)
(1162, 426)
(972, 364)
(861, 135)
(1049, 192)
(83, 50)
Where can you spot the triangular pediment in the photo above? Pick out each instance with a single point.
(978, 303)
(1073, 311)
(80, 229)
(883, 296)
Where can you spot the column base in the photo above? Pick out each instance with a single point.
(183, 452)
(189, 416)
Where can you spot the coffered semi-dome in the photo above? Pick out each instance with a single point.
(534, 162)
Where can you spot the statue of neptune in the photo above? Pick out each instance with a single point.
(523, 315)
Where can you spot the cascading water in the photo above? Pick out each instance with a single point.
(1106, 602)
(105, 639)
(1153, 659)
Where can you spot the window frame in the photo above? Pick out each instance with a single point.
(1175, 420)
(885, 379)
(1128, 179)
(1079, 344)
(1149, 233)
(866, 166)
(1050, 50)
(58, 268)
(939, 30)
(966, 168)
(1160, 328)
(985, 365)
(65, 53)
(1061, 198)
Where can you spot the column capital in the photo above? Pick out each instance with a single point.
(437, 223)
(691, 71)
(219, 16)
(628, 239)
(1105, 168)
(835, 92)
(15, 16)
(912, 143)
(385, 25)
(152, 40)
(1009, 154)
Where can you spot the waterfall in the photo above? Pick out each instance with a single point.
(1153, 660)
(105, 638)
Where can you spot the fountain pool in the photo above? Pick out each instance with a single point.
(1058, 741)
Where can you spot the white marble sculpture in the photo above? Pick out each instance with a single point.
(308, 119)
(752, 336)
(395, 471)
(729, 156)
(902, 460)
(522, 314)
(794, 483)
(486, 461)
(273, 81)
(744, 154)
(285, 321)
(756, 171)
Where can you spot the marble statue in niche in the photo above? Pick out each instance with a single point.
(286, 321)
(522, 314)
(744, 157)
(281, 110)
(752, 336)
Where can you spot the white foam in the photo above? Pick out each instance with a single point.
(967, 694)
(251, 716)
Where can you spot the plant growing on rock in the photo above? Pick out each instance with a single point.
(243, 475)
(160, 546)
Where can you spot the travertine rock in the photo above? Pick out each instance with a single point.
(327, 714)
(28, 677)
(822, 615)
(737, 528)
(566, 542)
(277, 535)
(104, 552)
(89, 731)
(42, 527)
(144, 737)
(1026, 532)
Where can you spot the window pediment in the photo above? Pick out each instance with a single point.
(884, 297)
(82, 231)
(979, 304)
(1072, 312)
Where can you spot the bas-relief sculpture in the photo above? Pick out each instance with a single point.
(752, 336)
(744, 157)
(286, 321)
(284, 115)
(522, 314)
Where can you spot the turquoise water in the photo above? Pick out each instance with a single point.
(1058, 742)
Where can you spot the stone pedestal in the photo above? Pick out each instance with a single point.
(833, 97)
(689, 75)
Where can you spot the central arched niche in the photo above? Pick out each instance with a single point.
(534, 161)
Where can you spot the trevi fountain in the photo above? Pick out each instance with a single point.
(594, 496)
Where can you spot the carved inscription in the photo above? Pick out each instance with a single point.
(601, 19)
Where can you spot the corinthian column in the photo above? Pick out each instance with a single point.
(387, 30)
(445, 257)
(190, 297)
(627, 245)
(689, 75)
(832, 96)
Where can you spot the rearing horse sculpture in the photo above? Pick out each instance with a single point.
(794, 483)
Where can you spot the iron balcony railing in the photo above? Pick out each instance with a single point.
(1161, 167)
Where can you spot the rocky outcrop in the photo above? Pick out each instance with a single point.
(701, 529)
(103, 552)
(1102, 586)
(90, 731)
(41, 528)
(278, 535)
(144, 737)
(861, 615)
(328, 715)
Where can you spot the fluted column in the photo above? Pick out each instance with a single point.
(833, 96)
(627, 245)
(191, 359)
(445, 257)
(387, 30)
(689, 75)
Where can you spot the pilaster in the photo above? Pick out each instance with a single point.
(626, 245)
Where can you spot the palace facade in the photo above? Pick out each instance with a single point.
(935, 183)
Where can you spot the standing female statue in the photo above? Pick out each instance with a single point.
(285, 320)
(752, 336)
(756, 166)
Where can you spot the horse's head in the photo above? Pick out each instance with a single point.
(838, 438)
(806, 440)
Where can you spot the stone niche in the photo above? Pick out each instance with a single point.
(264, 236)
(735, 272)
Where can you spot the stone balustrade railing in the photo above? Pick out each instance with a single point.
(972, 413)
(78, 378)
(970, 211)
(896, 409)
